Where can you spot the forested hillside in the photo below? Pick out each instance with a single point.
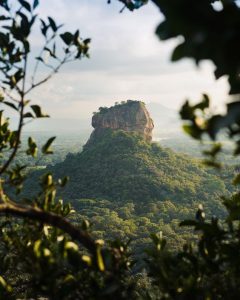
(121, 166)
(129, 188)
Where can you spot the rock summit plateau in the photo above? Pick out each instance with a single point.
(130, 116)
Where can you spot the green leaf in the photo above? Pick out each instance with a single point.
(28, 115)
(37, 248)
(193, 131)
(87, 41)
(35, 3)
(5, 286)
(236, 180)
(18, 75)
(178, 52)
(71, 246)
(25, 4)
(46, 148)
(216, 148)
(52, 24)
(62, 182)
(10, 104)
(13, 139)
(22, 32)
(100, 262)
(76, 36)
(4, 39)
(212, 163)
(44, 28)
(187, 111)
(40, 59)
(67, 37)
(85, 225)
(4, 18)
(215, 124)
(163, 31)
(38, 111)
(32, 147)
(204, 103)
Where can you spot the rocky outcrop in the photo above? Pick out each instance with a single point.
(130, 116)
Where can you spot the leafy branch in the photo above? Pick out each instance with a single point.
(36, 214)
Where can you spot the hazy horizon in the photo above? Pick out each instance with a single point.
(163, 117)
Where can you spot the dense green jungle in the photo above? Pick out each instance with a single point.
(128, 188)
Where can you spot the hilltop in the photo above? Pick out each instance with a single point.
(119, 164)
(128, 186)
(129, 116)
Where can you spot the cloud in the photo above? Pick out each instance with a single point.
(127, 62)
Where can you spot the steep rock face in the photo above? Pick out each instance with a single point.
(131, 116)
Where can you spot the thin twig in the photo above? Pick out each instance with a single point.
(40, 55)
(55, 70)
(15, 86)
(5, 91)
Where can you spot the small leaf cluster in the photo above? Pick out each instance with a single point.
(131, 4)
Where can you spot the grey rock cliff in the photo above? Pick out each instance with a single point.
(131, 116)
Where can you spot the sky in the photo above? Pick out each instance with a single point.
(127, 61)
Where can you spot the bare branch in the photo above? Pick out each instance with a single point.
(55, 70)
(16, 87)
(40, 55)
(52, 219)
(11, 97)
